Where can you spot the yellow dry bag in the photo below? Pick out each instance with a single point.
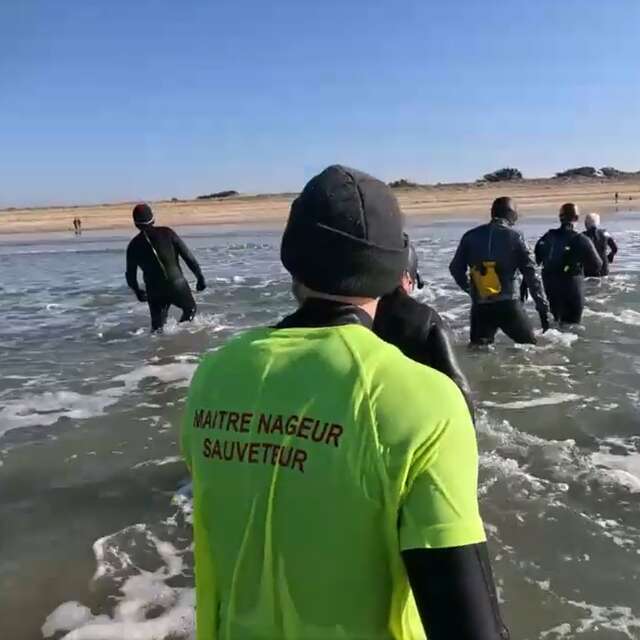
(486, 280)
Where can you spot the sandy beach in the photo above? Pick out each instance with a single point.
(539, 197)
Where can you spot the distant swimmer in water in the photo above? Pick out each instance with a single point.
(565, 254)
(602, 241)
(156, 250)
(485, 266)
(417, 329)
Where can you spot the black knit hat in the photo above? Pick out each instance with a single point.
(142, 214)
(344, 235)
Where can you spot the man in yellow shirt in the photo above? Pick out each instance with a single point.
(334, 479)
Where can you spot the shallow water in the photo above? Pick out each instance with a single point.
(94, 534)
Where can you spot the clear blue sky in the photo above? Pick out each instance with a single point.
(104, 100)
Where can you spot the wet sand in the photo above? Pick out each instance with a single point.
(539, 197)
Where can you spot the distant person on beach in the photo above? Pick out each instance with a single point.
(485, 266)
(417, 329)
(564, 255)
(156, 250)
(616, 197)
(332, 475)
(603, 242)
(77, 226)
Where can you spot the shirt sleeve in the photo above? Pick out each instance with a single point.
(440, 507)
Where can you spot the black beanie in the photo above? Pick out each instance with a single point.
(142, 214)
(344, 235)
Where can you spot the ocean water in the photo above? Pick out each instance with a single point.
(95, 541)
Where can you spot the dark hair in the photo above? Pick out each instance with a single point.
(504, 207)
(569, 212)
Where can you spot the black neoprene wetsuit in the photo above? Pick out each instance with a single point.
(156, 251)
(453, 587)
(419, 332)
(602, 241)
(496, 242)
(565, 254)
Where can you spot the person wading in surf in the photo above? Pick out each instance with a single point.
(485, 266)
(341, 534)
(156, 250)
(417, 329)
(603, 242)
(564, 255)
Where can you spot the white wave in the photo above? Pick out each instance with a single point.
(549, 399)
(47, 408)
(555, 337)
(66, 617)
(147, 607)
(158, 462)
(558, 464)
(623, 470)
(174, 372)
(212, 322)
(613, 621)
(626, 316)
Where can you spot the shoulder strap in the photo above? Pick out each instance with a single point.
(155, 253)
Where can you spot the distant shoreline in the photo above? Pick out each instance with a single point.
(537, 196)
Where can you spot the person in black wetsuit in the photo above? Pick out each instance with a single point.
(156, 250)
(485, 266)
(564, 255)
(602, 241)
(417, 329)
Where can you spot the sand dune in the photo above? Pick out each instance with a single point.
(542, 197)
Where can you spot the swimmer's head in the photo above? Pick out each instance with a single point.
(411, 277)
(505, 208)
(344, 237)
(569, 213)
(142, 216)
(592, 220)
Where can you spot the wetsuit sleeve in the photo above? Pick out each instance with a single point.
(132, 268)
(188, 257)
(528, 270)
(613, 247)
(458, 266)
(540, 249)
(455, 593)
(438, 354)
(591, 261)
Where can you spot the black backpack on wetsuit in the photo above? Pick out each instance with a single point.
(557, 252)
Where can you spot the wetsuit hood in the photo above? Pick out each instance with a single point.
(142, 215)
